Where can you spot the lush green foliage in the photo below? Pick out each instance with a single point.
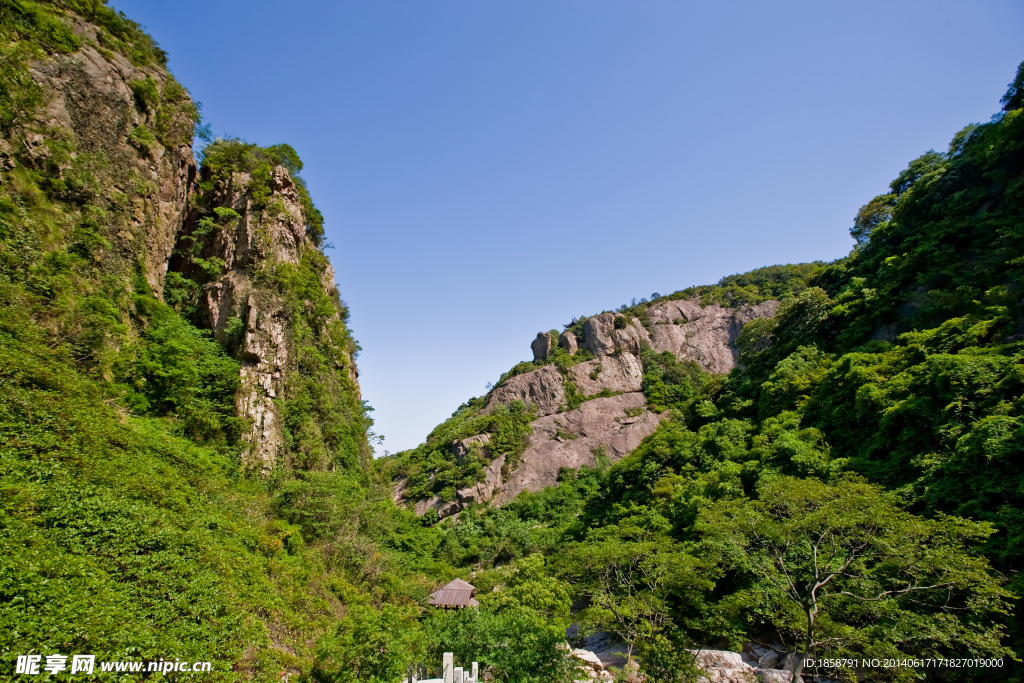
(225, 156)
(432, 469)
(878, 415)
(900, 364)
(851, 567)
(128, 529)
(517, 633)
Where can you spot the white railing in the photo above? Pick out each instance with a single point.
(451, 673)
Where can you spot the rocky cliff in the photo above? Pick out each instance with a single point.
(110, 138)
(244, 236)
(593, 409)
(112, 130)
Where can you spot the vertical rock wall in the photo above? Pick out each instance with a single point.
(243, 303)
(114, 140)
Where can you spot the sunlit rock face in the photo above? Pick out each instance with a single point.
(613, 418)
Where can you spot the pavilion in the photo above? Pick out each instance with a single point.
(454, 595)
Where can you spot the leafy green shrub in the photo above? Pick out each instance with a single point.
(178, 370)
(515, 645)
(223, 156)
(367, 644)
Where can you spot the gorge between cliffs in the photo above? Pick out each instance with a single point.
(788, 475)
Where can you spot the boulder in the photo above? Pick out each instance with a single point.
(460, 447)
(541, 346)
(719, 659)
(597, 334)
(602, 339)
(632, 338)
(449, 508)
(567, 340)
(608, 650)
(542, 388)
(589, 658)
(722, 666)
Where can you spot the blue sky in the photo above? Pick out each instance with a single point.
(490, 169)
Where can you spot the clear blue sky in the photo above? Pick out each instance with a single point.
(489, 169)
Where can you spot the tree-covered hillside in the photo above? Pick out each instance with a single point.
(133, 522)
(869, 442)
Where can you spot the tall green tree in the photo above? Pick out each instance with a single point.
(866, 576)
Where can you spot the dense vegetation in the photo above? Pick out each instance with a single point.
(879, 412)
(129, 528)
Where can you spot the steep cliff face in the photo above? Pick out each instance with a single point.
(106, 133)
(116, 134)
(587, 410)
(258, 281)
(159, 323)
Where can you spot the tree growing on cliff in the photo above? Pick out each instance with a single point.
(863, 575)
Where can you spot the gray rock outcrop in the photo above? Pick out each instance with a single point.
(483, 490)
(567, 340)
(89, 97)
(256, 239)
(601, 337)
(599, 423)
(623, 373)
(596, 337)
(541, 346)
(706, 335)
(542, 388)
(722, 666)
(462, 447)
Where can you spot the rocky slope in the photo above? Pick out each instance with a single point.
(166, 325)
(614, 415)
(116, 135)
(97, 124)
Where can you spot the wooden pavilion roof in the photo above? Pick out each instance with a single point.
(456, 594)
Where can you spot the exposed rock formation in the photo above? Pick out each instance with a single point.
(541, 346)
(461, 448)
(254, 240)
(542, 388)
(600, 423)
(706, 335)
(623, 372)
(121, 135)
(719, 666)
(481, 492)
(722, 666)
(90, 101)
(567, 340)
